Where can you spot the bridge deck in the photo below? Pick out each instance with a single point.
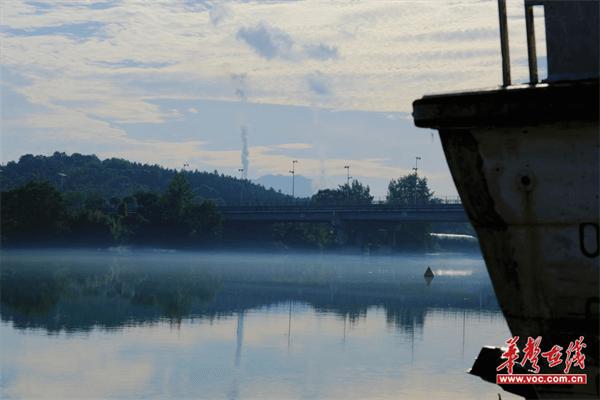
(374, 212)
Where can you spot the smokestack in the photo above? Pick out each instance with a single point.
(245, 161)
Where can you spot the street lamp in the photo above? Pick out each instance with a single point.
(62, 181)
(293, 172)
(416, 169)
(347, 167)
(241, 171)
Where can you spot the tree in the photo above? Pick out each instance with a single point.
(204, 220)
(409, 190)
(33, 212)
(177, 199)
(113, 177)
(183, 218)
(148, 204)
(352, 194)
(94, 202)
(307, 235)
(93, 227)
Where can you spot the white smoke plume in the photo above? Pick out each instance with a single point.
(245, 159)
(239, 81)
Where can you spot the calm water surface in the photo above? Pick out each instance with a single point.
(155, 324)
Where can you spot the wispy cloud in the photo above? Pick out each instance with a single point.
(127, 63)
(77, 31)
(241, 85)
(90, 69)
(272, 42)
(318, 84)
(218, 12)
(295, 146)
(321, 51)
(267, 41)
(467, 35)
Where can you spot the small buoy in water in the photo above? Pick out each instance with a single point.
(428, 273)
(428, 276)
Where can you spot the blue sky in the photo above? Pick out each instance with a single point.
(329, 83)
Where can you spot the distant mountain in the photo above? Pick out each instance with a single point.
(302, 185)
(87, 175)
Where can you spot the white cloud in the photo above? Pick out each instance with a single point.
(86, 67)
(396, 52)
(321, 51)
(271, 42)
(218, 13)
(295, 146)
(318, 84)
(268, 41)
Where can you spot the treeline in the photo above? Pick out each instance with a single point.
(36, 214)
(85, 179)
(90, 211)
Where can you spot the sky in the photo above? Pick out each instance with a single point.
(327, 83)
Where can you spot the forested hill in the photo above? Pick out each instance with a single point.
(87, 175)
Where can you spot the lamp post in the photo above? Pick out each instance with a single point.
(62, 181)
(185, 166)
(293, 172)
(416, 169)
(347, 167)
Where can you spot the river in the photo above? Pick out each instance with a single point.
(167, 324)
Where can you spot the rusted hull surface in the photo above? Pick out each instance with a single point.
(532, 195)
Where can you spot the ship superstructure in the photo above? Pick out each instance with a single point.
(525, 161)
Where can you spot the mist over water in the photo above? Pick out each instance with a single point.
(166, 324)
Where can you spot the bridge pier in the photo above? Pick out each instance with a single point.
(339, 229)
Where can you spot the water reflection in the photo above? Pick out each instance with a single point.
(243, 326)
(78, 293)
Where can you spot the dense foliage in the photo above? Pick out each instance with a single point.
(80, 200)
(409, 190)
(347, 194)
(36, 214)
(86, 178)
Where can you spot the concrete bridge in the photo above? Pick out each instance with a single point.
(345, 213)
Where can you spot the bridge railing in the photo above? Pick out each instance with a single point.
(341, 208)
(434, 200)
(379, 201)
